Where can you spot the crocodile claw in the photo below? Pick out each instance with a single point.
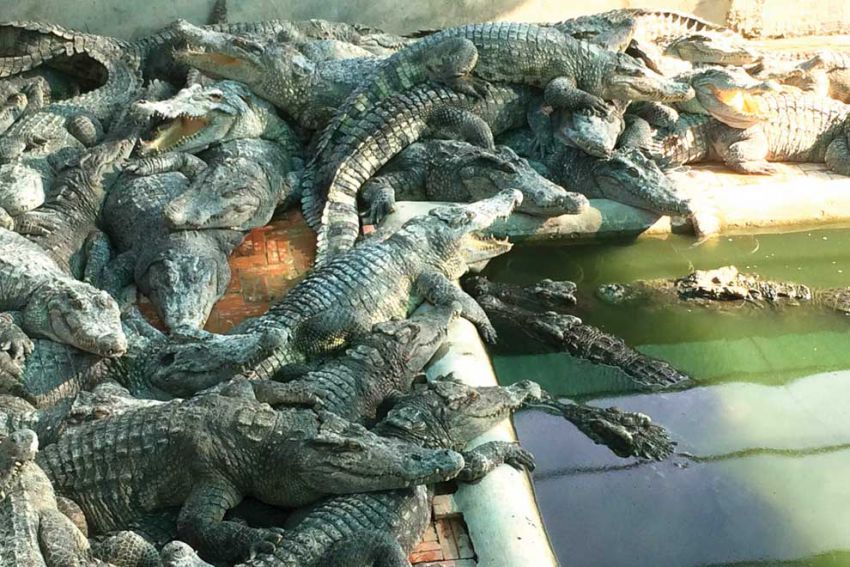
(519, 458)
(266, 541)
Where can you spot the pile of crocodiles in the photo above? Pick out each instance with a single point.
(132, 168)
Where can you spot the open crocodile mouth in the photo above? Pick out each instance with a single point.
(174, 132)
(742, 102)
(201, 55)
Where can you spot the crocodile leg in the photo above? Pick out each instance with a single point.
(838, 156)
(563, 93)
(484, 458)
(201, 524)
(437, 289)
(13, 341)
(379, 193)
(97, 251)
(366, 548)
(186, 163)
(745, 151)
(60, 541)
(461, 124)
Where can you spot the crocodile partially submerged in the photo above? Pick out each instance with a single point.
(207, 453)
(538, 311)
(724, 288)
(799, 128)
(446, 170)
(52, 304)
(362, 529)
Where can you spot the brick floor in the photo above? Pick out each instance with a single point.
(269, 262)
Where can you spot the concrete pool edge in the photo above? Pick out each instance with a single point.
(500, 511)
(799, 196)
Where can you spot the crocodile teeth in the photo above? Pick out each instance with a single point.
(174, 132)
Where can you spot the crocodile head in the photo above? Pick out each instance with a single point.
(21, 188)
(592, 133)
(344, 457)
(623, 77)
(453, 232)
(185, 287)
(484, 172)
(199, 116)
(631, 177)
(719, 49)
(17, 448)
(232, 194)
(180, 366)
(448, 413)
(731, 96)
(414, 341)
(275, 70)
(77, 314)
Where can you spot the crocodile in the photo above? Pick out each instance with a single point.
(15, 347)
(382, 279)
(628, 176)
(382, 527)
(33, 530)
(446, 170)
(538, 312)
(575, 74)
(154, 364)
(657, 36)
(395, 123)
(306, 91)
(729, 95)
(199, 116)
(183, 272)
(825, 74)
(106, 400)
(21, 95)
(377, 365)
(25, 45)
(243, 183)
(799, 128)
(233, 446)
(724, 288)
(67, 225)
(56, 133)
(52, 304)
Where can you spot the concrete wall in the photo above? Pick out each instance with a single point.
(127, 19)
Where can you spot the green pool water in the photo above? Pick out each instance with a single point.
(769, 419)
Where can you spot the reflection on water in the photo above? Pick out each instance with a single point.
(763, 455)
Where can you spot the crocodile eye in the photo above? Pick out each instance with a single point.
(216, 96)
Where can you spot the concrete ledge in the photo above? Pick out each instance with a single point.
(798, 196)
(500, 511)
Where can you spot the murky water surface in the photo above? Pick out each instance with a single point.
(769, 421)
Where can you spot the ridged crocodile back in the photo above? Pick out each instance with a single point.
(801, 127)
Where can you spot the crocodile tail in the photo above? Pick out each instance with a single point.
(14, 65)
(312, 203)
(340, 225)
